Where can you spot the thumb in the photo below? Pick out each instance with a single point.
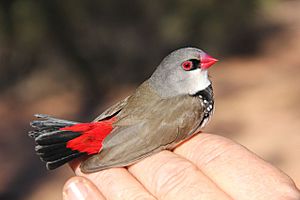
(79, 188)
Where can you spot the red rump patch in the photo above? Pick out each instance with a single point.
(92, 136)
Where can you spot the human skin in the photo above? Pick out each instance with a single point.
(205, 167)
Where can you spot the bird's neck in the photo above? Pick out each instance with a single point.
(197, 82)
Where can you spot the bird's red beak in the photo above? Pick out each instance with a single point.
(207, 61)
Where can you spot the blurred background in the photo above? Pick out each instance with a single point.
(72, 59)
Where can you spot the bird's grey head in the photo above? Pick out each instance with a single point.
(182, 72)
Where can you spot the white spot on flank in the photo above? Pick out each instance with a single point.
(204, 122)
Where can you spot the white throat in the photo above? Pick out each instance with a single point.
(198, 81)
(178, 83)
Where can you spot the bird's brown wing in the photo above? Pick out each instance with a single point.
(113, 110)
(151, 126)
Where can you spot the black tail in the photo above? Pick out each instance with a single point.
(51, 142)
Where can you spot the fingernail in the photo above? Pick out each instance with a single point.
(80, 190)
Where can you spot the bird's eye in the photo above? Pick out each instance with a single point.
(187, 65)
(190, 64)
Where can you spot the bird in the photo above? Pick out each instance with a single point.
(168, 108)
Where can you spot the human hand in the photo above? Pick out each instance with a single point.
(205, 167)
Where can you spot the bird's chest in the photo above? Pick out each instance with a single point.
(207, 102)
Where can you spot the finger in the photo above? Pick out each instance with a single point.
(240, 173)
(116, 183)
(169, 176)
(78, 188)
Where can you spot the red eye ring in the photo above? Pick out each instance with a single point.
(187, 65)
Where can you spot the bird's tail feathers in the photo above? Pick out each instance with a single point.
(51, 141)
